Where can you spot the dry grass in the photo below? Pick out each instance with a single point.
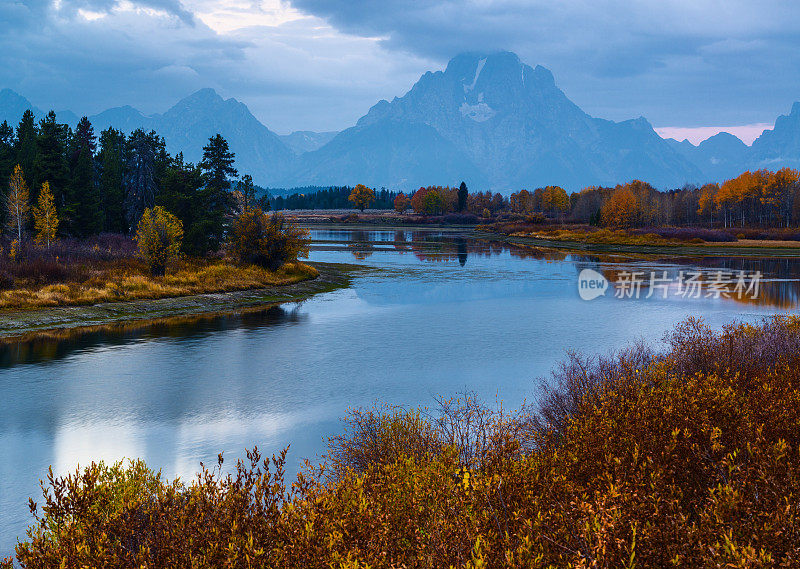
(601, 236)
(758, 243)
(130, 280)
(657, 236)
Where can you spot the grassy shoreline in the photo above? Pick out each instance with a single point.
(30, 323)
(670, 248)
(131, 282)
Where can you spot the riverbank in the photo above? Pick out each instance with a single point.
(20, 325)
(744, 248)
(127, 279)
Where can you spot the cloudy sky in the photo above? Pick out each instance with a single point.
(695, 65)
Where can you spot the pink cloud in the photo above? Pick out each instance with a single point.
(746, 132)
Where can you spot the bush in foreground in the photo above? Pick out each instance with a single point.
(685, 458)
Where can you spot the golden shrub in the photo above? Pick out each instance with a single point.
(159, 236)
(687, 458)
(267, 241)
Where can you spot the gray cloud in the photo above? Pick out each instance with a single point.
(300, 74)
(675, 62)
(172, 7)
(678, 63)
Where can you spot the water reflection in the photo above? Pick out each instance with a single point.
(61, 344)
(454, 313)
(779, 288)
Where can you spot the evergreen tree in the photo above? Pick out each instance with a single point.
(6, 152)
(26, 145)
(140, 177)
(50, 162)
(463, 194)
(7, 155)
(84, 193)
(247, 191)
(215, 199)
(179, 194)
(217, 163)
(110, 163)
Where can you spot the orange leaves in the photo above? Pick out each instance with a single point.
(45, 216)
(361, 196)
(621, 208)
(401, 203)
(268, 241)
(432, 200)
(690, 457)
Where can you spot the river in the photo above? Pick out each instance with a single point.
(432, 312)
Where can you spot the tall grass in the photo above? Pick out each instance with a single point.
(106, 269)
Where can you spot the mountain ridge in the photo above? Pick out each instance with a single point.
(487, 118)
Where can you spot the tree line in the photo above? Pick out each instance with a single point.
(93, 185)
(334, 197)
(754, 198)
(104, 184)
(759, 198)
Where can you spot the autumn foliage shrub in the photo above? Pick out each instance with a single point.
(267, 241)
(159, 236)
(686, 457)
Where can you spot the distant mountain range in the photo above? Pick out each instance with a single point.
(487, 119)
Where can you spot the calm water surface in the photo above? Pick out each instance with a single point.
(434, 313)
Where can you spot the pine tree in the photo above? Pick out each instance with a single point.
(7, 154)
(84, 193)
(45, 217)
(17, 204)
(26, 145)
(6, 151)
(140, 177)
(179, 194)
(50, 164)
(217, 163)
(215, 197)
(111, 166)
(247, 192)
(463, 194)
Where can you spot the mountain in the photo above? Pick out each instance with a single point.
(13, 106)
(779, 147)
(719, 157)
(387, 153)
(306, 140)
(724, 156)
(186, 127)
(189, 124)
(511, 124)
(126, 119)
(487, 119)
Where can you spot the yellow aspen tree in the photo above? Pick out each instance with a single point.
(45, 217)
(17, 202)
